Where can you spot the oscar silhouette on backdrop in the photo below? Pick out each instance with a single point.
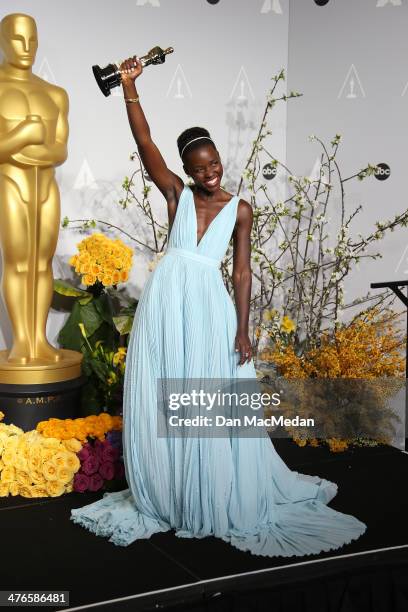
(33, 140)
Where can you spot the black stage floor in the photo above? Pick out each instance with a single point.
(42, 549)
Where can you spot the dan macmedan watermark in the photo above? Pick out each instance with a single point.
(210, 401)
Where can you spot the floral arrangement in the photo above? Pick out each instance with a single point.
(108, 368)
(276, 327)
(95, 426)
(102, 260)
(34, 466)
(335, 445)
(99, 463)
(60, 456)
(99, 317)
(367, 350)
(370, 346)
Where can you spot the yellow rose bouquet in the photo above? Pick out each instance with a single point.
(100, 318)
(103, 261)
(32, 465)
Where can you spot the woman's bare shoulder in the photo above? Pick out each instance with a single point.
(244, 212)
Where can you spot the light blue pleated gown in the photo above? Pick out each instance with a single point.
(234, 488)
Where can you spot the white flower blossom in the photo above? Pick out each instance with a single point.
(153, 263)
(247, 174)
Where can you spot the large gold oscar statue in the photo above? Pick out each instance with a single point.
(33, 141)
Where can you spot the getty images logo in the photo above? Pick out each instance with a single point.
(269, 171)
(382, 172)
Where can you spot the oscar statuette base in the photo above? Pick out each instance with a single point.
(39, 390)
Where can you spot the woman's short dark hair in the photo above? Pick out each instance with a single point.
(193, 138)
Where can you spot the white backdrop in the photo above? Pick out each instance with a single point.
(350, 61)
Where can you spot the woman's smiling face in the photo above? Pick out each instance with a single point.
(204, 166)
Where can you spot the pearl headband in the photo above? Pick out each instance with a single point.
(190, 141)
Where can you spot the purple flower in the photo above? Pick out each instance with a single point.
(107, 470)
(110, 453)
(90, 465)
(95, 482)
(98, 454)
(98, 448)
(81, 482)
(85, 452)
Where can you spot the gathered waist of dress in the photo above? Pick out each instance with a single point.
(193, 256)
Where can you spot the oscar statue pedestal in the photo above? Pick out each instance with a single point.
(39, 390)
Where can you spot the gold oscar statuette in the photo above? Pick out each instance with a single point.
(33, 141)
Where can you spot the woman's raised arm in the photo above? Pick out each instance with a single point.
(167, 182)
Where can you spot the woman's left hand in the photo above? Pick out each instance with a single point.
(243, 345)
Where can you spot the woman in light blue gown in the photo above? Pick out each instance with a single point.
(186, 326)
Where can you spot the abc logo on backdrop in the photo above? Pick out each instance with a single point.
(269, 172)
(383, 172)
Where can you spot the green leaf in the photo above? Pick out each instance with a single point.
(86, 300)
(86, 367)
(101, 369)
(64, 288)
(103, 305)
(130, 308)
(108, 334)
(123, 324)
(70, 336)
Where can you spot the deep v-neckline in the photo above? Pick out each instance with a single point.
(197, 244)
